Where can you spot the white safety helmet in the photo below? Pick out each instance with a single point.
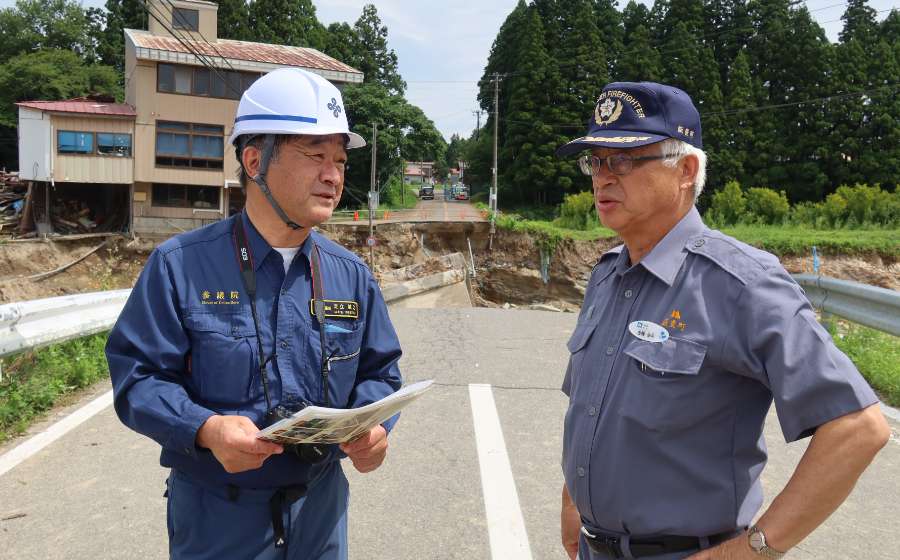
(292, 101)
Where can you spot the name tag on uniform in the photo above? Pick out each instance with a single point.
(337, 309)
(649, 331)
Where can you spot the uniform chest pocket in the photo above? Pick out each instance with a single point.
(577, 344)
(223, 358)
(662, 383)
(343, 340)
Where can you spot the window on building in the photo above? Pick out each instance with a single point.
(114, 144)
(183, 18)
(74, 142)
(186, 196)
(200, 146)
(194, 80)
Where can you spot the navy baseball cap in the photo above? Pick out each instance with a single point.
(632, 114)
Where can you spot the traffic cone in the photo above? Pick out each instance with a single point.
(356, 216)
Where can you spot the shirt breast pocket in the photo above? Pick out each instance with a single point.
(343, 341)
(663, 385)
(223, 358)
(577, 345)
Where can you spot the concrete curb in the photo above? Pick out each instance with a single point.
(393, 292)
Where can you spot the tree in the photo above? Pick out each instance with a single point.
(120, 15)
(641, 60)
(377, 61)
(608, 22)
(341, 43)
(233, 20)
(48, 74)
(529, 169)
(45, 24)
(286, 22)
(400, 126)
(859, 22)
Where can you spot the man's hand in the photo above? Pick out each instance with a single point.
(570, 524)
(368, 450)
(233, 442)
(737, 548)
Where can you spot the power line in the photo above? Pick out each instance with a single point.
(202, 36)
(186, 44)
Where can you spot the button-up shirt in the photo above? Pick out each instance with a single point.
(664, 434)
(184, 347)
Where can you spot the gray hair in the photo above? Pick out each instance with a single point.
(674, 150)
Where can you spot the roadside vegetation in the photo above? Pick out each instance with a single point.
(853, 220)
(876, 355)
(35, 381)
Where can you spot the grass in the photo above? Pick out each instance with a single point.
(875, 354)
(33, 382)
(792, 240)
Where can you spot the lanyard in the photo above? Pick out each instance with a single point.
(248, 276)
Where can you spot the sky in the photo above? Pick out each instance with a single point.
(443, 45)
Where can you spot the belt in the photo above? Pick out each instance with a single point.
(640, 547)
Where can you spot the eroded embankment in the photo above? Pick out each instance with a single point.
(508, 269)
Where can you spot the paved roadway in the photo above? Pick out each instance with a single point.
(437, 210)
(97, 492)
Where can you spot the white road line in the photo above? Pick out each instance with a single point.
(25, 450)
(506, 527)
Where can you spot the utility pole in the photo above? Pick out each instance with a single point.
(493, 195)
(373, 199)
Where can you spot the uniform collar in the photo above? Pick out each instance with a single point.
(665, 259)
(260, 248)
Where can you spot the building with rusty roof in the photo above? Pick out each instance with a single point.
(161, 155)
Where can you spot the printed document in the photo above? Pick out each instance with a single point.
(317, 424)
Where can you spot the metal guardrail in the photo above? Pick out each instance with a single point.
(878, 308)
(31, 324)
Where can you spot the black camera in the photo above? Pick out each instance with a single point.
(307, 452)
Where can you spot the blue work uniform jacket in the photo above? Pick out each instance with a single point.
(184, 347)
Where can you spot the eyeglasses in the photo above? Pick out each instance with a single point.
(619, 164)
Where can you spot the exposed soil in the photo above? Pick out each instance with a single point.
(506, 274)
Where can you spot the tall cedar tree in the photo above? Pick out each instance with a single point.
(612, 33)
(532, 172)
(233, 20)
(583, 73)
(500, 61)
(377, 61)
(120, 15)
(640, 59)
(286, 22)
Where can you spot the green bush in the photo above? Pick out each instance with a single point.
(729, 206)
(578, 212)
(806, 214)
(766, 206)
(869, 205)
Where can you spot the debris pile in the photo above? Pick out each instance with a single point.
(12, 201)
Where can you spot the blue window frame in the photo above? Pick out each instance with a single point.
(74, 142)
(200, 146)
(114, 144)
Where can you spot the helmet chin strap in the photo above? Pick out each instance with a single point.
(260, 179)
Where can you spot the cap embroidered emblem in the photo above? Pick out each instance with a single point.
(334, 107)
(608, 111)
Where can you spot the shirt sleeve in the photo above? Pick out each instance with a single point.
(378, 374)
(778, 341)
(147, 353)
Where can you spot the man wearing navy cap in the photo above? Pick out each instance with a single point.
(685, 338)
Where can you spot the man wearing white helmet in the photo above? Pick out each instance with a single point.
(235, 325)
